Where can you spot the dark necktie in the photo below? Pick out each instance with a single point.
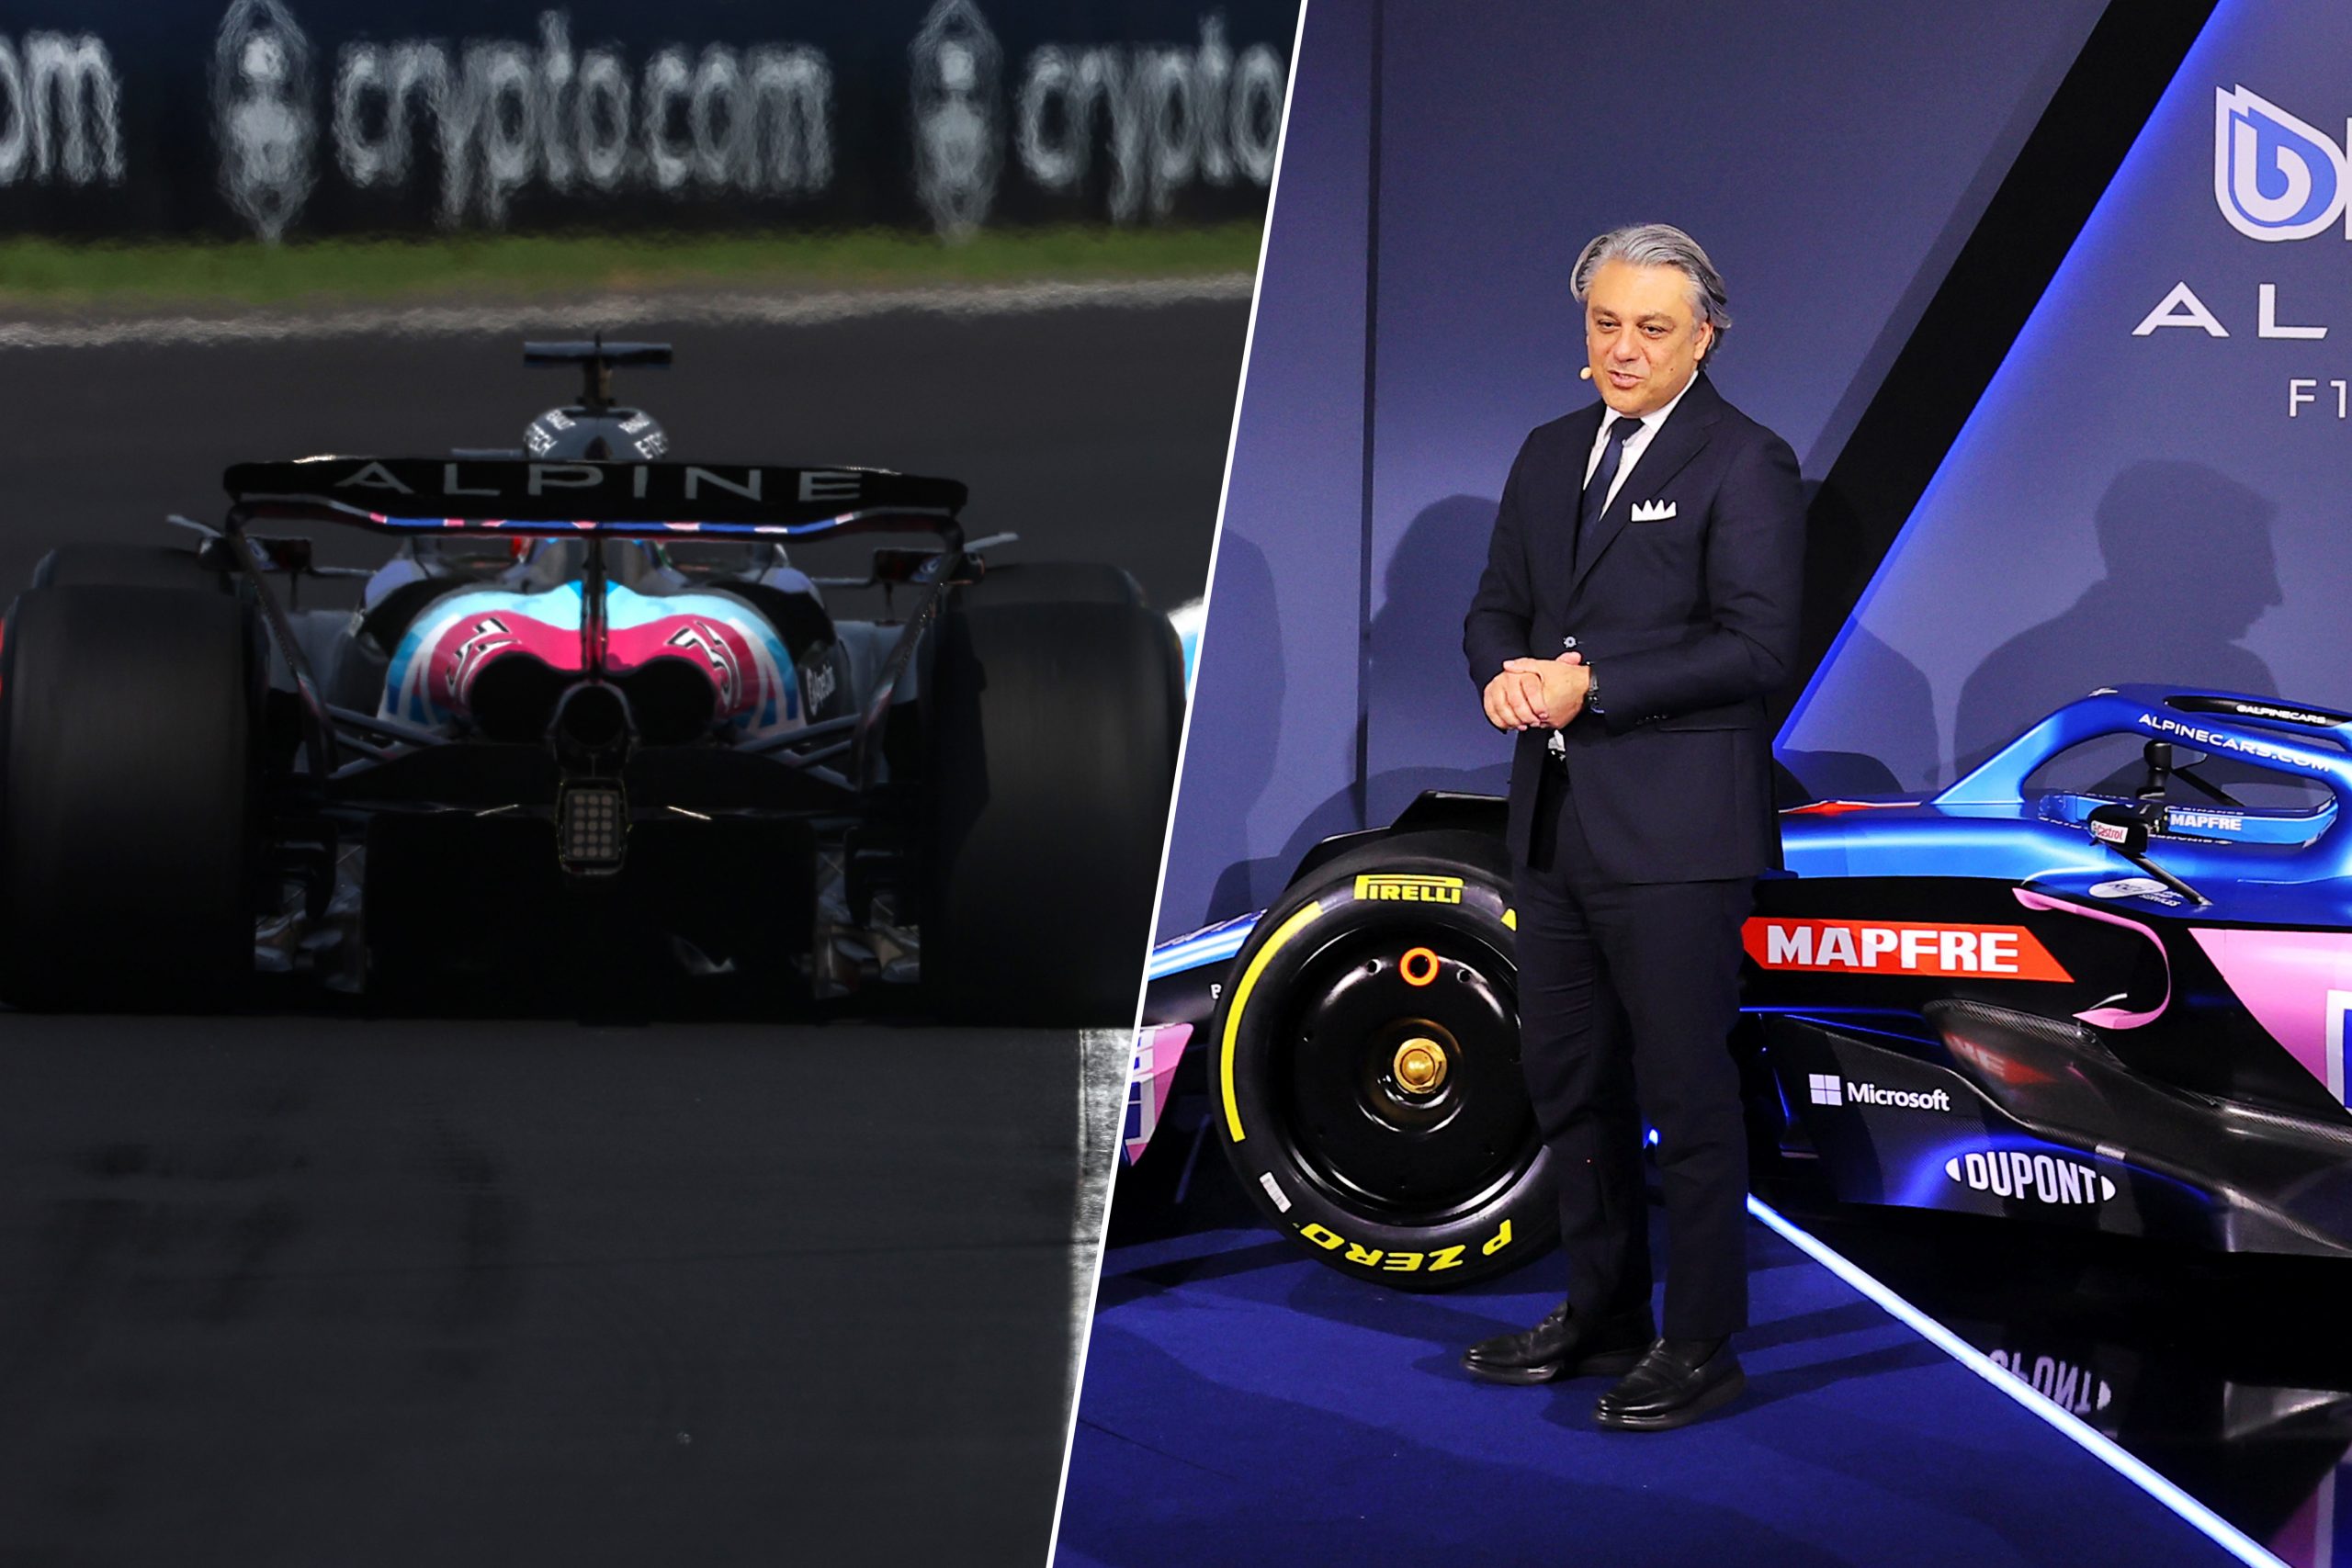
(1596, 489)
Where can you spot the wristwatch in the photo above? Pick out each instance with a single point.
(1592, 692)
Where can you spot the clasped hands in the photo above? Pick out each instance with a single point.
(1538, 694)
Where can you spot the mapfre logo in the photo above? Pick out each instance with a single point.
(2275, 177)
(1910, 948)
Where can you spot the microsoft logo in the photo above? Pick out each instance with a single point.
(1829, 1089)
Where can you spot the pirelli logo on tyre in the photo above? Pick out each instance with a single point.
(1409, 890)
(1921, 949)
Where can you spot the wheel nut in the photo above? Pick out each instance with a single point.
(1419, 1066)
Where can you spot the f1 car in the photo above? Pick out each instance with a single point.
(2103, 980)
(588, 721)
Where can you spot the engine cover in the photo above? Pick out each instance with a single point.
(497, 659)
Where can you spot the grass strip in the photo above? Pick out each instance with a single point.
(43, 274)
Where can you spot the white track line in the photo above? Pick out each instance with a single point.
(2101, 1447)
(614, 311)
(1106, 1057)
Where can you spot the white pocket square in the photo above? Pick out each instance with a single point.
(1653, 510)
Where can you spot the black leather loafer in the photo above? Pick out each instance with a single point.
(1674, 1383)
(1562, 1346)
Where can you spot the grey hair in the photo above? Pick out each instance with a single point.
(1659, 245)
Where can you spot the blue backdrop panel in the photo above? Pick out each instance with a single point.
(1833, 157)
(1507, 147)
(2152, 488)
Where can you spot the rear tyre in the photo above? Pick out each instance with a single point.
(1365, 1071)
(1050, 731)
(128, 839)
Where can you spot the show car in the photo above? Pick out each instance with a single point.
(588, 725)
(2102, 980)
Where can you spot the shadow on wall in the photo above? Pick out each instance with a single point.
(1238, 707)
(2189, 569)
(1888, 748)
(1883, 744)
(1422, 704)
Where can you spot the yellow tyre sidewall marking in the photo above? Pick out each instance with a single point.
(1393, 1261)
(1289, 929)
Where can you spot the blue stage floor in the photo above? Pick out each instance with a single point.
(1243, 1404)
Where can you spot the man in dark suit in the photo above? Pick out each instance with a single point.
(1639, 603)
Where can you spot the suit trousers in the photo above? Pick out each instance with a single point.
(1628, 993)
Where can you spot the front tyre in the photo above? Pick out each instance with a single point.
(1365, 1067)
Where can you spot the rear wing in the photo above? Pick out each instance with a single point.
(594, 501)
(614, 500)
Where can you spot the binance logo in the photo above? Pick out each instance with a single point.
(1411, 889)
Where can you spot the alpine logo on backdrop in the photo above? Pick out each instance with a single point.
(2275, 177)
(2035, 1177)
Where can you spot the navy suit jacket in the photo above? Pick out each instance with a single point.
(1689, 621)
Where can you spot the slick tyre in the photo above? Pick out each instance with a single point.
(1364, 1067)
(1049, 735)
(129, 837)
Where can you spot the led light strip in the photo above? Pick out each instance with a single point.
(1202, 948)
(2214, 1527)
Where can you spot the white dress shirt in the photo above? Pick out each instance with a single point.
(1636, 444)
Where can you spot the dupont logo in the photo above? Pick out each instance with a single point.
(2034, 1177)
(1898, 947)
(1411, 889)
(1830, 1090)
(2069, 1387)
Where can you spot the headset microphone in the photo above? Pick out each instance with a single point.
(1585, 374)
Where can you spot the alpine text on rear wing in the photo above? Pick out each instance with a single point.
(613, 499)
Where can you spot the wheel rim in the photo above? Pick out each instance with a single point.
(1399, 1072)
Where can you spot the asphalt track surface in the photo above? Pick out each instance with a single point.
(323, 1289)
(1095, 434)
